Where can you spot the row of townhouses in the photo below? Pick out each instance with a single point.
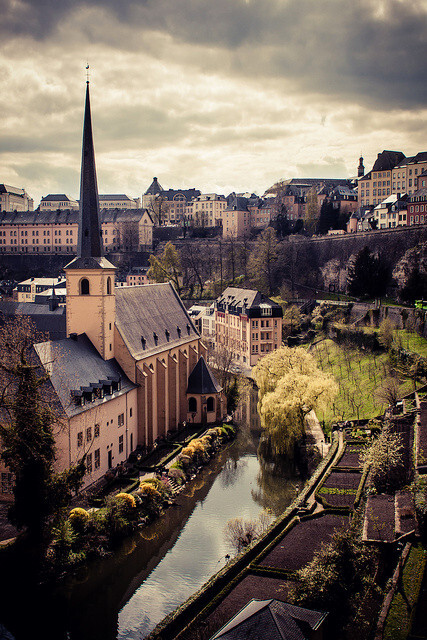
(391, 194)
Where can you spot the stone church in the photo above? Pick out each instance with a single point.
(132, 367)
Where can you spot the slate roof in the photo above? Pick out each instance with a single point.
(387, 160)
(46, 321)
(6, 188)
(236, 298)
(90, 262)
(56, 197)
(236, 203)
(76, 364)
(69, 216)
(115, 196)
(189, 194)
(150, 317)
(201, 380)
(154, 188)
(272, 619)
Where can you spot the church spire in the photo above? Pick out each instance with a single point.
(89, 240)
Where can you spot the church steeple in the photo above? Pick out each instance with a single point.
(89, 239)
(91, 302)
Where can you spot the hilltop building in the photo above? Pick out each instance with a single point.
(14, 199)
(54, 201)
(131, 367)
(54, 231)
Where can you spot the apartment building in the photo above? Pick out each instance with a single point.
(54, 201)
(57, 231)
(118, 201)
(391, 212)
(205, 210)
(27, 290)
(248, 324)
(405, 174)
(417, 203)
(14, 199)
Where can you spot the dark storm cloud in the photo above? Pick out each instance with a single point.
(367, 50)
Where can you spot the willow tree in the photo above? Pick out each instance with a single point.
(290, 385)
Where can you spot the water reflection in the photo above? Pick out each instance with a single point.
(126, 595)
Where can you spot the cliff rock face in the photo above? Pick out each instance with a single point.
(414, 257)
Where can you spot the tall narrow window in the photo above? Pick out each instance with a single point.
(84, 287)
(108, 286)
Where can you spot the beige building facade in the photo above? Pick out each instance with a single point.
(248, 324)
(14, 199)
(52, 232)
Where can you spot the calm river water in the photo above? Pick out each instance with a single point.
(125, 596)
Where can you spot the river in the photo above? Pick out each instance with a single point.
(125, 596)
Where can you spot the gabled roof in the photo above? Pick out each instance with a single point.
(6, 188)
(272, 620)
(76, 364)
(236, 203)
(387, 160)
(201, 380)
(150, 317)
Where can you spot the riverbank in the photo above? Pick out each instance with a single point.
(195, 609)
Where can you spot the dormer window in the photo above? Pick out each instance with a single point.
(143, 342)
(167, 334)
(178, 330)
(155, 337)
(188, 329)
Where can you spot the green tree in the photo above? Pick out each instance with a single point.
(336, 579)
(415, 287)
(290, 386)
(263, 262)
(328, 218)
(166, 267)
(369, 275)
(26, 430)
(385, 459)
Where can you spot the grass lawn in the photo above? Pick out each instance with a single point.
(413, 342)
(398, 621)
(359, 375)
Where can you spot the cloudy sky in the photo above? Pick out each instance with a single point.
(220, 95)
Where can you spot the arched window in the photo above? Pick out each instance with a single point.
(210, 404)
(192, 405)
(108, 286)
(84, 287)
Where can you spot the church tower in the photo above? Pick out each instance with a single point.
(91, 303)
(360, 168)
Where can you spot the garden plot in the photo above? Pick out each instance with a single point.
(343, 480)
(351, 457)
(303, 540)
(340, 489)
(379, 525)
